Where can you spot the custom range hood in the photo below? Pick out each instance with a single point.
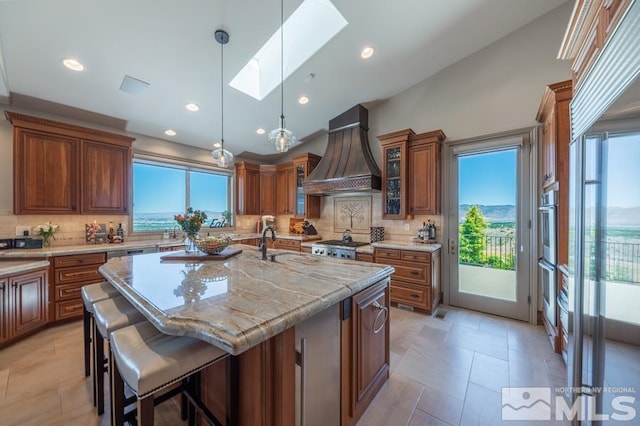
(347, 165)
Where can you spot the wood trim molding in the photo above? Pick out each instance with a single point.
(43, 124)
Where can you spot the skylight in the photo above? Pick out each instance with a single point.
(310, 27)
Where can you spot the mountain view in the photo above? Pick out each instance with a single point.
(493, 214)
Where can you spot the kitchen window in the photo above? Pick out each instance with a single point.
(162, 190)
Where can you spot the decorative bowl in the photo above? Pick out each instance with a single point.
(212, 245)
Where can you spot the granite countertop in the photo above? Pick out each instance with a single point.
(85, 248)
(242, 301)
(19, 266)
(408, 245)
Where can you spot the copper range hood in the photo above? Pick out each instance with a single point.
(347, 164)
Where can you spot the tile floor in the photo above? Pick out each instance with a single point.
(443, 372)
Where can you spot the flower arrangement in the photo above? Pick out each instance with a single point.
(191, 221)
(46, 231)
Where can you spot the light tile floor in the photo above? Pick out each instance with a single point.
(443, 372)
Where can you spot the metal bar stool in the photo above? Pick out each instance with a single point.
(109, 315)
(149, 361)
(91, 294)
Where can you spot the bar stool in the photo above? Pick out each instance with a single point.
(109, 315)
(91, 294)
(149, 361)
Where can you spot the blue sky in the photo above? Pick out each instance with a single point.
(488, 179)
(162, 189)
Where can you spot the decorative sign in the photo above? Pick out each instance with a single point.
(352, 213)
(96, 233)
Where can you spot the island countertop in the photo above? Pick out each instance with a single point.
(240, 302)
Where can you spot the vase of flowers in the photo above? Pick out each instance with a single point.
(190, 222)
(46, 231)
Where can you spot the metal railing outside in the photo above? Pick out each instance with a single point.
(498, 252)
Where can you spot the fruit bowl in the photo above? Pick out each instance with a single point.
(212, 245)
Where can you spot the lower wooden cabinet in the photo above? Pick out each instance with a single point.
(69, 274)
(23, 304)
(287, 244)
(365, 349)
(364, 257)
(416, 281)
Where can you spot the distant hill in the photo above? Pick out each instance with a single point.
(493, 214)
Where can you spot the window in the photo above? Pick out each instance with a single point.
(161, 191)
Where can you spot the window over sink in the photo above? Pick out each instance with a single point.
(162, 190)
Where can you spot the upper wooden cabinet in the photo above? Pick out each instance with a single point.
(286, 189)
(553, 114)
(591, 25)
(307, 206)
(410, 173)
(247, 188)
(63, 169)
(268, 189)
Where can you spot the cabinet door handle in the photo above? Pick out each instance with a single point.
(303, 377)
(415, 273)
(415, 296)
(381, 309)
(2, 287)
(14, 285)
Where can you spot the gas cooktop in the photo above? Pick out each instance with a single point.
(340, 243)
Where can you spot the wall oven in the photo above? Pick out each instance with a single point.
(548, 280)
(548, 226)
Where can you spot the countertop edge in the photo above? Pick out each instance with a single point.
(21, 266)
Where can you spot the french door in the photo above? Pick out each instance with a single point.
(489, 225)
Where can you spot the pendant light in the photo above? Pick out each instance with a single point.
(281, 137)
(221, 156)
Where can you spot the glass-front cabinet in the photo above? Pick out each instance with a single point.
(393, 181)
(307, 206)
(394, 173)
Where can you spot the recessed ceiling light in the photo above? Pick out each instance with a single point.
(260, 131)
(303, 100)
(73, 64)
(367, 52)
(192, 107)
(170, 132)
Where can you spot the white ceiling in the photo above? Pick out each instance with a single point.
(170, 44)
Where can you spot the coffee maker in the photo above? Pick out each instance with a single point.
(268, 220)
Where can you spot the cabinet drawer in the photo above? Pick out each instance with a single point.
(416, 273)
(69, 309)
(385, 253)
(287, 244)
(79, 260)
(409, 294)
(364, 257)
(84, 274)
(68, 291)
(415, 256)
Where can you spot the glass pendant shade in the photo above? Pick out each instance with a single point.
(281, 137)
(223, 157)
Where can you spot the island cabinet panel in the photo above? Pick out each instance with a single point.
(365, 349)
(247, 188)
(416, 280)
(268, 189)
(61, 168)
(69, 274)
(106, 171)
(23, 304)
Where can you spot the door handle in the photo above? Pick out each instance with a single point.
(452, 247)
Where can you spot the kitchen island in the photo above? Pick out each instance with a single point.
(250, 308)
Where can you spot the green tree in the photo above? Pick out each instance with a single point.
(472, 235)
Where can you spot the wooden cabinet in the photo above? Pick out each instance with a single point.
(307, 206)
(365, 349)
(364, 257)
(416, 280)
(286, 189)
(553, 114)
(23, 304)
(69, 274)
(65, 169)
(590, 27)
(268, 189)
(305, 249)
(410, 173)
(247, 188)
(287, 244)
(106, 178)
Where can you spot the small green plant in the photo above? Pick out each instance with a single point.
(227, 216)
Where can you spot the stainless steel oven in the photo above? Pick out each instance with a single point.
(548, 280)
(548, 226)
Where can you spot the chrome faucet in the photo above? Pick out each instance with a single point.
(263, 241)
